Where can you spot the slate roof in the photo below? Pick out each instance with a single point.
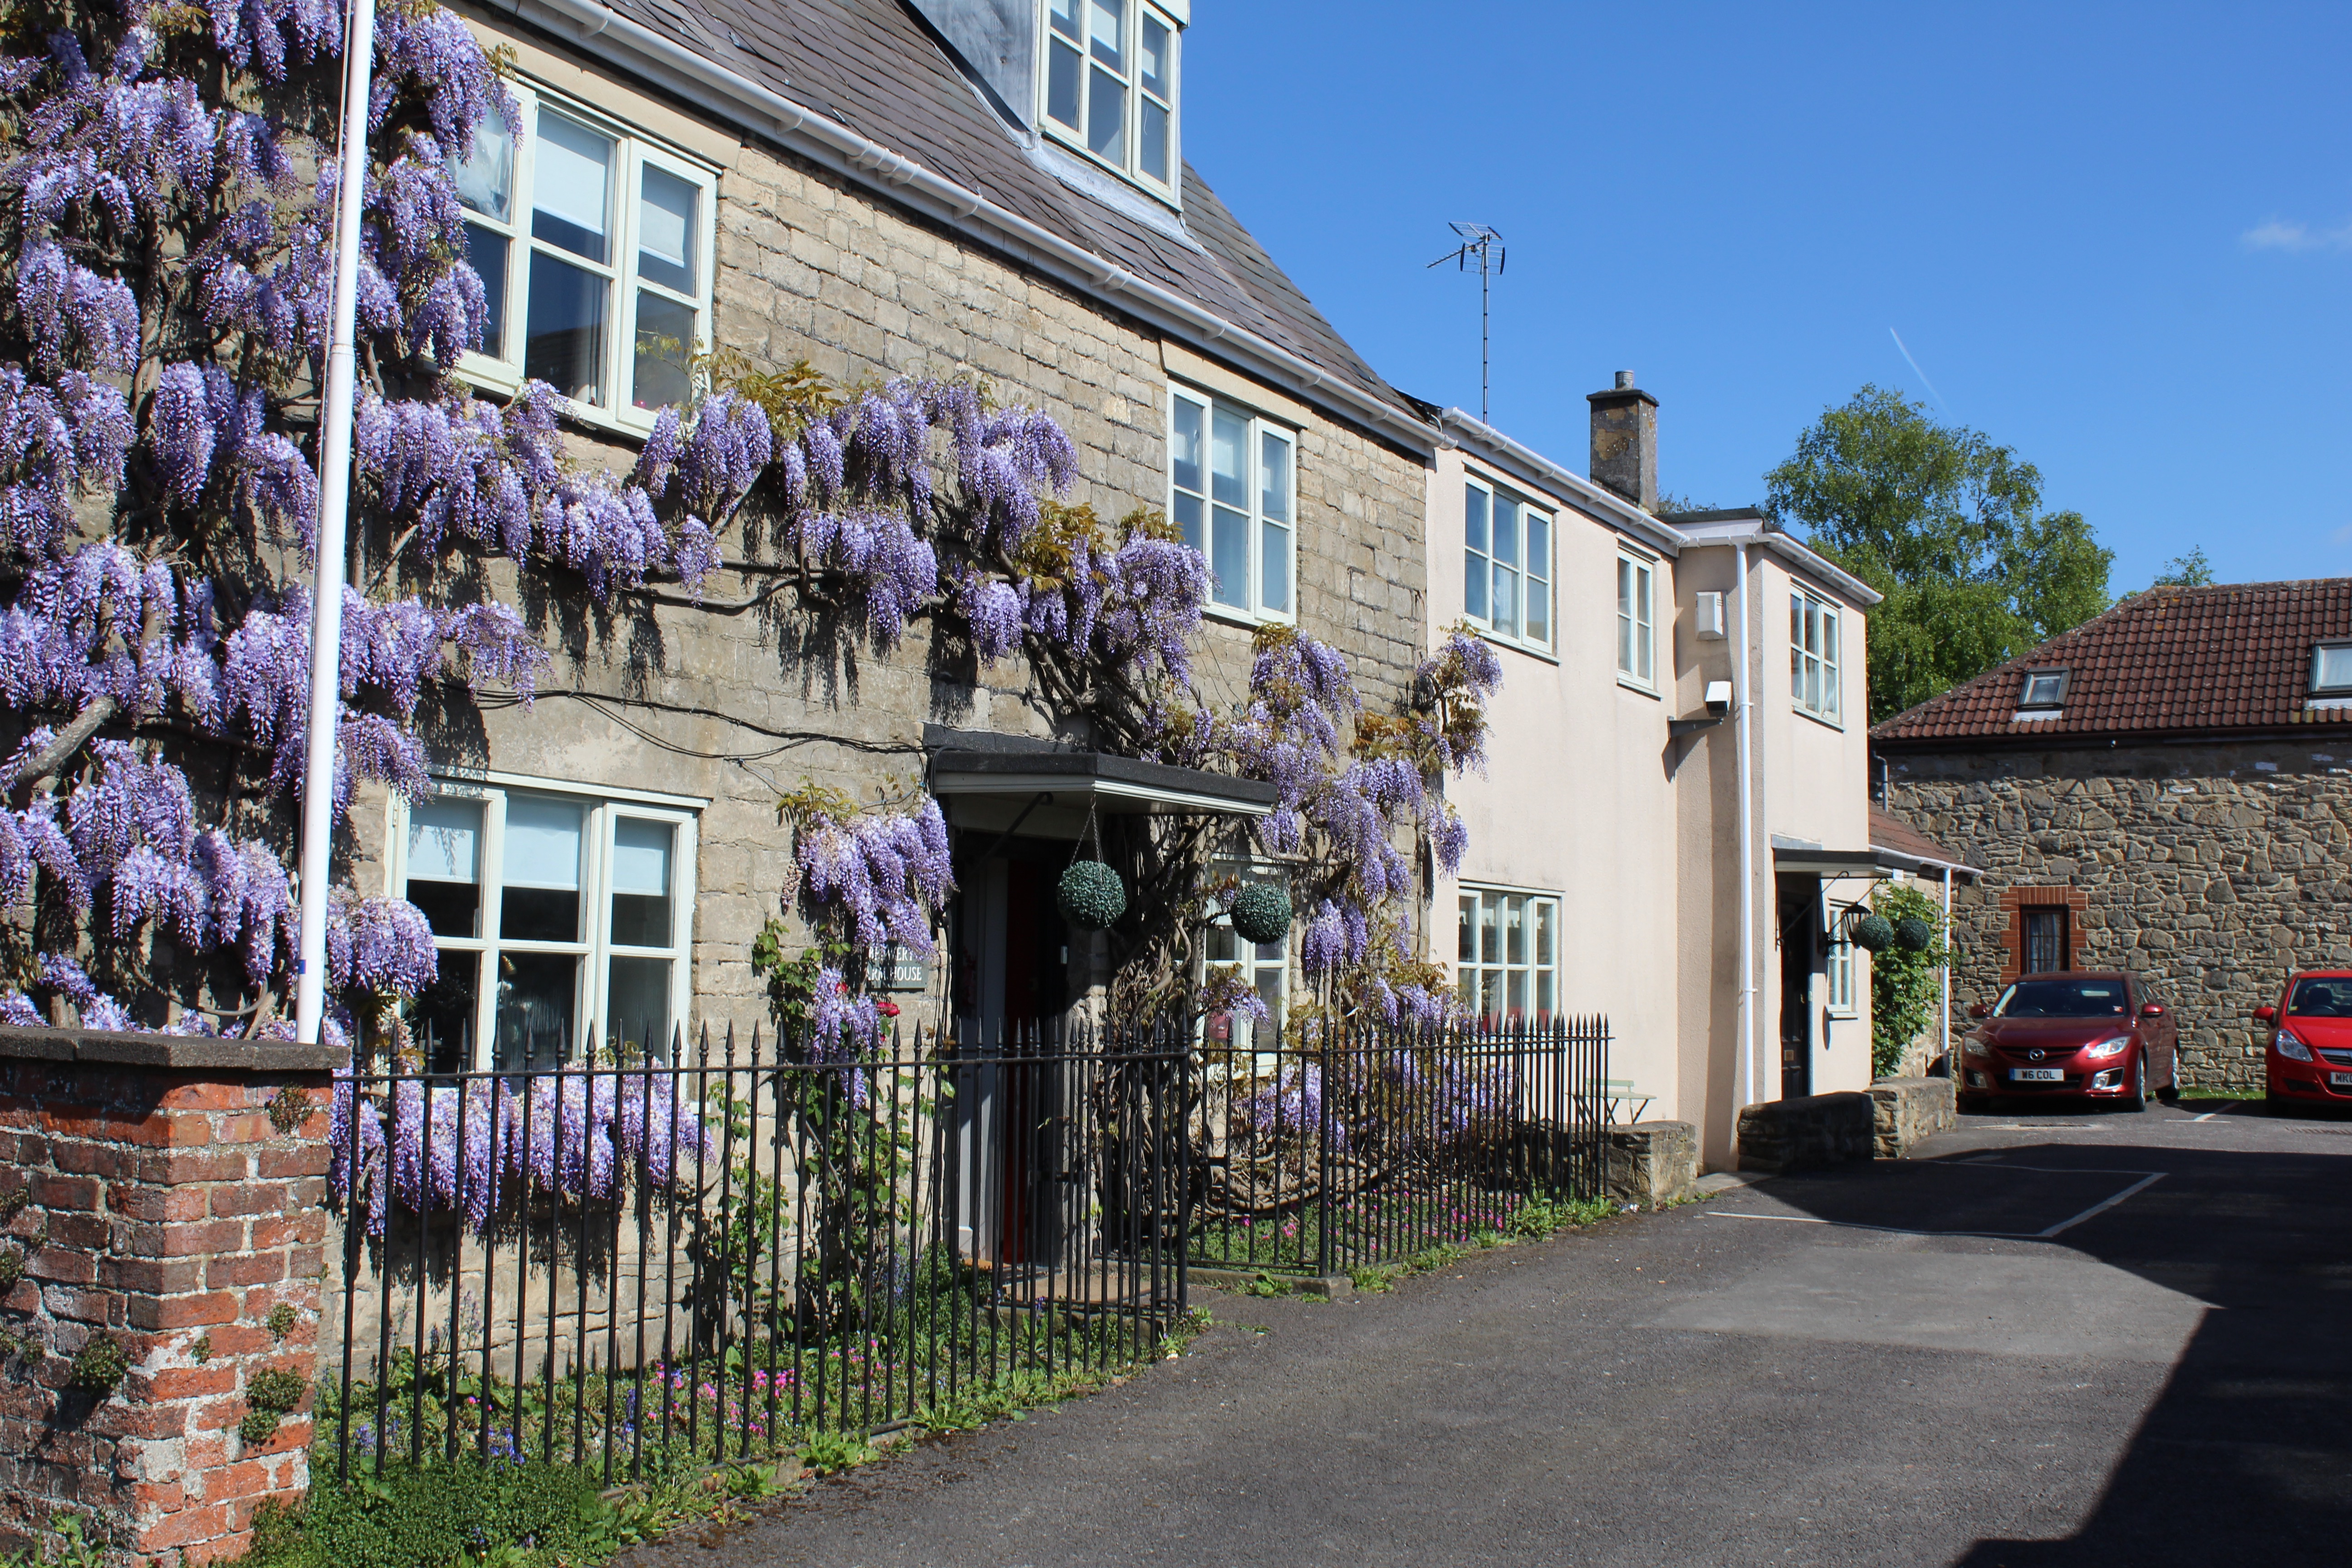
(2170, 661)
(1888, 831)
(873, 66)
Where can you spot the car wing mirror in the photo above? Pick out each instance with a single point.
(1979, 1011)
(2265, 1014)
(2153, 1010)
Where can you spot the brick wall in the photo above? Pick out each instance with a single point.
(173, 1201)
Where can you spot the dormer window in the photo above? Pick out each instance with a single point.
(2331, 670)
(2043, 688)
(1110, 85)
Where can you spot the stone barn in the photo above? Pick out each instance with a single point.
(2166, 788)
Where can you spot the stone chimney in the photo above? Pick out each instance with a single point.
(1625, 441)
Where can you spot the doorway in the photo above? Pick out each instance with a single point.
(1801, 924)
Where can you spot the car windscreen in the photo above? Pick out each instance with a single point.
(2321, 999)
(2063, 999)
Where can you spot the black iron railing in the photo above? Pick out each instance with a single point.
(1363, 1147)
(647, 1265)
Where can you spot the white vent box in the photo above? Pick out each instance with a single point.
(1710, 617)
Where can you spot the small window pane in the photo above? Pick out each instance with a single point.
(1515, 929)
(1490, 942)
(1153, 63)
(666, 339)
(669, 224)
(1538, 546)
(1539, 608)
(537, 993)
(1229, 557)
(1106, 117)
(540, 901)
(1107, 32)
(563, 340)
(1465, 946)
(445, 865)
(1065, 15)
(1154, 133)
(1274, 479)
(1475, 566)
(485, 176)
(1274, 569)
(641, 882)
(636, 1007)
(441, 1019)
(571, 187)
(2334, 666)
(1229, 460)
(1062, 68)
(1507, 532)
(1185, 444)
(487, 254)
(1474, 503)
(1506, 599)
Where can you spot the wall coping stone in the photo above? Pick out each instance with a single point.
(131, 1048)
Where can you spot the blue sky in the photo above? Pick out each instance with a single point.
(2118, 240)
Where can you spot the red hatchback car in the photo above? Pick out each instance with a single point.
(2310, 1055)
(2097, 1037)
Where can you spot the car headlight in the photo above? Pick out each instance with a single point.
(2290, 1048)
(2107, 1048)
(1974, 1047)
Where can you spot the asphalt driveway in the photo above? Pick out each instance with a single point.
(2052, 1340)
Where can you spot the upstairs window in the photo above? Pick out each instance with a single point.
(1230, 489)
(593, 247)
(2043, 688)
(1505, 565)
(1813, 656)
(1637, 639)
(2331, 670)
(1110, 85)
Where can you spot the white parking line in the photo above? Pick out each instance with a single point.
(2211, 1115)
(2147, 1179)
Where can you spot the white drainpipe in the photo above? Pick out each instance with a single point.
(1741, 702)
(1946, 1039)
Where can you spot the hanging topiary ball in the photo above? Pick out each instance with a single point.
(1261, 912)
(1091, 895)
(1913, 934)
(1872, 933)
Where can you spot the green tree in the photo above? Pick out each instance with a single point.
(2189, 570)
(1949, 526)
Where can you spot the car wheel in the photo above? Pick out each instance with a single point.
(2138, 1098)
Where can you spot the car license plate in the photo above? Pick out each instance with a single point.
(2339, 1080)
(2041, 1075)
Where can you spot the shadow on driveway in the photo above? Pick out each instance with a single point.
(2246, 1456)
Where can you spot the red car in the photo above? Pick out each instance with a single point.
(2310, 1055)
(2076, 1035)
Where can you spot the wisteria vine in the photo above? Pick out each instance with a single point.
(162, 334)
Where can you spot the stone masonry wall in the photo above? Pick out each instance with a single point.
(2210, 870)
(739, 707)
(166, 1201)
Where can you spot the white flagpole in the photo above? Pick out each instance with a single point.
(334, 504)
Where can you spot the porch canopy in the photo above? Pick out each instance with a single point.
(1804, 857)
(981, 776)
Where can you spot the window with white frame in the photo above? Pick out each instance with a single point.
(1813, 656)
(2331, 668)
(594, 246)
(1110, 86)
(1265, 967)
(1232, 490)
(1637, 587)
(1505, 565)
(559, 918)
(1838, 946)
(1506, 965)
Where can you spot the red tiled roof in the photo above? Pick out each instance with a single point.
(2231, 656)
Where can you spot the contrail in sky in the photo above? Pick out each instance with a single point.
(1917, 372)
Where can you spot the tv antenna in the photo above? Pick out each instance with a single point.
(1482, 242)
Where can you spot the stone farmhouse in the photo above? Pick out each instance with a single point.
(2166, 789)
(997, 189)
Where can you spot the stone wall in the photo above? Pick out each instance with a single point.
(2210, 870)
(167, 1201)
(737, 707)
